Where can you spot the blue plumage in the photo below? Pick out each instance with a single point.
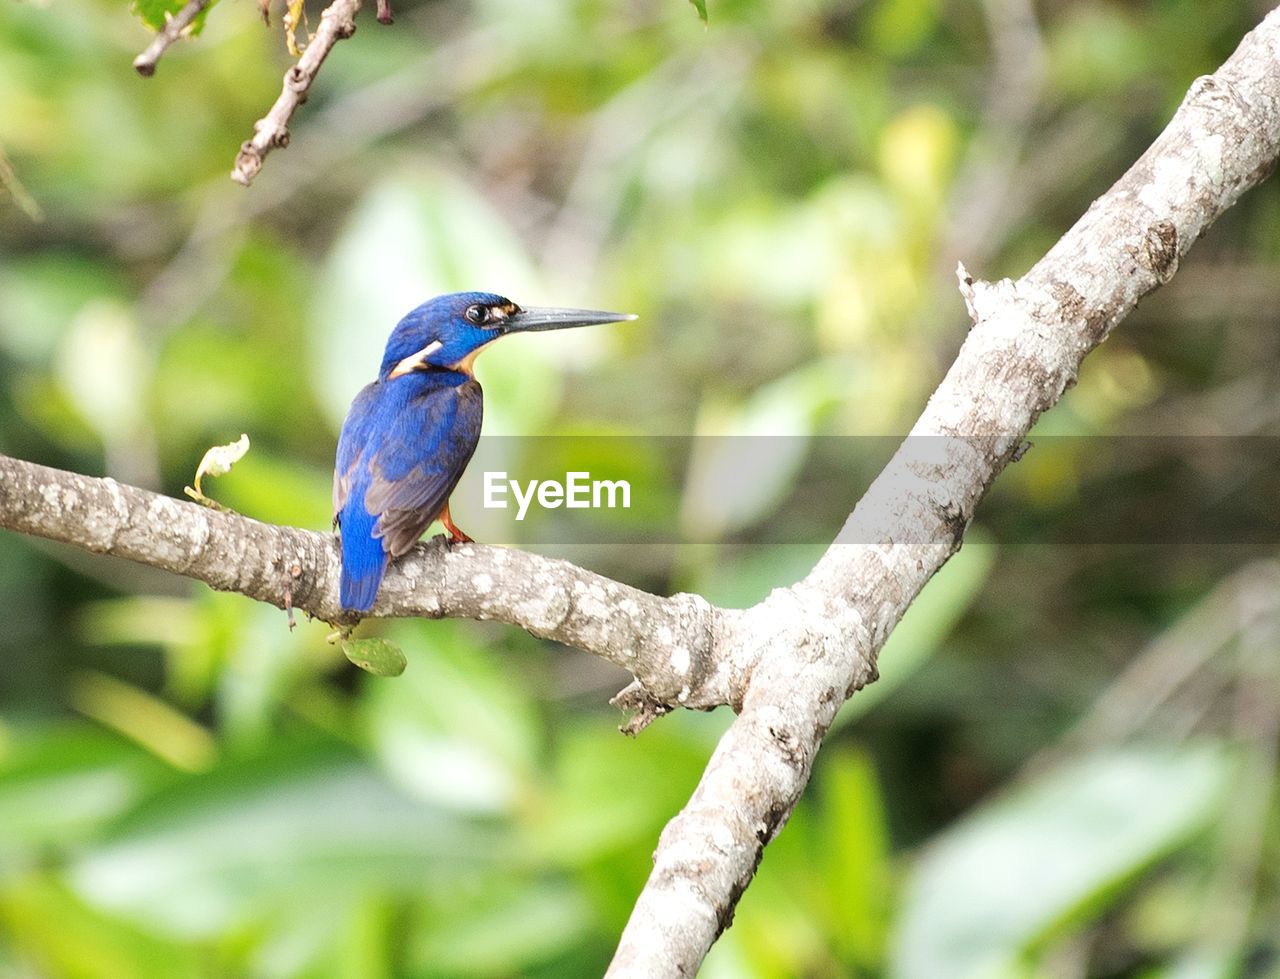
(410, 434)
(403, 450)
(364, 562)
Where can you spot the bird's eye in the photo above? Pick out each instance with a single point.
(476, 314)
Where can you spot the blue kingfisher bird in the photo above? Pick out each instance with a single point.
(409, 435)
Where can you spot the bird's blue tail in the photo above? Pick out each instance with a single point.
(364, 562)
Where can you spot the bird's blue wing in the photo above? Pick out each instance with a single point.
(420, 463)
(409, 446)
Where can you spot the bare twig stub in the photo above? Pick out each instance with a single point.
(787, 664)
(272, 130)
(145, 63)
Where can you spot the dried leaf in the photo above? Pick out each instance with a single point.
(293, 16)
(217, 462)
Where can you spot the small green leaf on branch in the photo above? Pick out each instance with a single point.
(381, 657)
(701, 7)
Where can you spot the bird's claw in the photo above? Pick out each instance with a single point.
(445, 541)
(449, 541)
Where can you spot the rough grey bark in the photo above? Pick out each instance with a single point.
(673, 646)
(787, 664)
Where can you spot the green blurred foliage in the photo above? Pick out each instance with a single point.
(188, 788)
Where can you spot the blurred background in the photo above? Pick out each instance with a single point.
(1069, 766)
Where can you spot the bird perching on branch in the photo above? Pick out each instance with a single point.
(409, 435)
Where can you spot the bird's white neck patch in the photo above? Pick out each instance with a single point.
(416, 360)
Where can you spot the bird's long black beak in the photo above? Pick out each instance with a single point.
(535, 319)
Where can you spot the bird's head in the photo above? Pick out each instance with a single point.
(448, 331)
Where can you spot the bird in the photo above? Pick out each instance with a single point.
(409, 435)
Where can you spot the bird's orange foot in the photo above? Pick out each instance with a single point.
(456, 536)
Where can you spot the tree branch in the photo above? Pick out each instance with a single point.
(674, 646)
(1027, 343)
(272, 130)
(145, 63)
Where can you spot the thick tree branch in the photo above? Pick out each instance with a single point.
(673, 646)
(1028, 340)
(336, 23)
(145, 63)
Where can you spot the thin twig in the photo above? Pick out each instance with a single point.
(145, 63)
(978, 214)
(1232, 895)
(9, 181)
(342, 129)
(272, 130)
(1155, 676)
